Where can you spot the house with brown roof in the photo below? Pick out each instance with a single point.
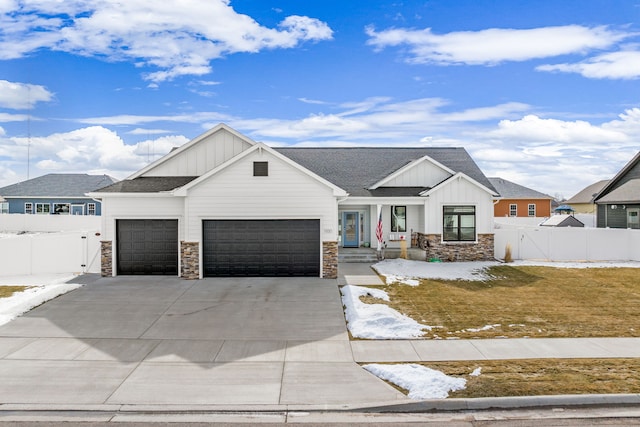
(583, 202)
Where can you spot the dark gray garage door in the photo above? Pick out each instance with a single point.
(147, 246)
(261, 248)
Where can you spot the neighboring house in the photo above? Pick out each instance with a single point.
(224, 205)
(519, 201)
(583, 202)
(619, 201)
(562, 221)
(54, 194)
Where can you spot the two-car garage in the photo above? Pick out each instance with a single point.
(286, 247)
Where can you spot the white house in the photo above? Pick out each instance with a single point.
(224, 205)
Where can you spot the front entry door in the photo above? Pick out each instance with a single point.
(350, 229)
(633, 219)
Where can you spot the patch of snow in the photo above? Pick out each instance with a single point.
(41, 289)
(420, 381)
(390, 279)
(476, 372)
(376, 321)
(484, 328)
(434, 270)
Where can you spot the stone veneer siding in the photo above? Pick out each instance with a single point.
(190, 260)
(330, 260)
(483, 250)
(106, 258)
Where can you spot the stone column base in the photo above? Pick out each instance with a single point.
(330, 260)
(190, 260)
(106, 258)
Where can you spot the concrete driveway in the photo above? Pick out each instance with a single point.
(158, 341)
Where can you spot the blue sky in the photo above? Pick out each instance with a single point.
(544, 93)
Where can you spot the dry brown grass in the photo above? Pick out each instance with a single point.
(544, 377)
(527, 302)
(7, 291)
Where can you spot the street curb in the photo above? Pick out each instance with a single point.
(517, 402)
(434, 406)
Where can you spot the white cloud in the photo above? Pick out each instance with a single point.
(86, 150)
(494, 45)
(141, 131)
(175, 40)
(624, 64)
(22, 96)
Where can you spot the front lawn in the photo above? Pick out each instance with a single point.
(526, 301)
(537, 377)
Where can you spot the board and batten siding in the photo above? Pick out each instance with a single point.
(459, 192)
(168, 207)
(286, 193)
(206, 155)
(425, 174)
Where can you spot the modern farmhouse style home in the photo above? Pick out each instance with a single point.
(224, 205)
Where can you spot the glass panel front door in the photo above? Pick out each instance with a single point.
(350, 230)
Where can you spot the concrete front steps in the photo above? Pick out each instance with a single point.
(369, 255)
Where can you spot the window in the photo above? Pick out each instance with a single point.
(513, 210)
(28, 208)
(43, 208)
(398, 219)
(61, 208)
(91, 208)
(532, 210)
(459, 224)
(260, 168)
(4, 207)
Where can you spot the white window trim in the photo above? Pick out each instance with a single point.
(91, 209)
(531, 207)
(42, 204)
(28, 210)
(515, 209)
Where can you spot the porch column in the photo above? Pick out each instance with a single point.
(378, 213)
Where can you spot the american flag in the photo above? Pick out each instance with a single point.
(379, 229)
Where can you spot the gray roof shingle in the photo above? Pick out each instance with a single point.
(57, 185)
(150, 184)
(355, 169)
(511, 190)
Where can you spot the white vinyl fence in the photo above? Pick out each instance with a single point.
(569, 244)
(42, 253)
(51, 244)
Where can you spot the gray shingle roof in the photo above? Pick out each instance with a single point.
(587, 194)
(629, 192)
(355, 169)
(511, 190)
(151, 184)
(57, 185)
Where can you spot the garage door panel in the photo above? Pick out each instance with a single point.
(261, 247)
(147, 247)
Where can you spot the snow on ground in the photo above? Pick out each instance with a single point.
(376, 321)
(407, 271)
(42, 288)
(420, 381)
(400, 270)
